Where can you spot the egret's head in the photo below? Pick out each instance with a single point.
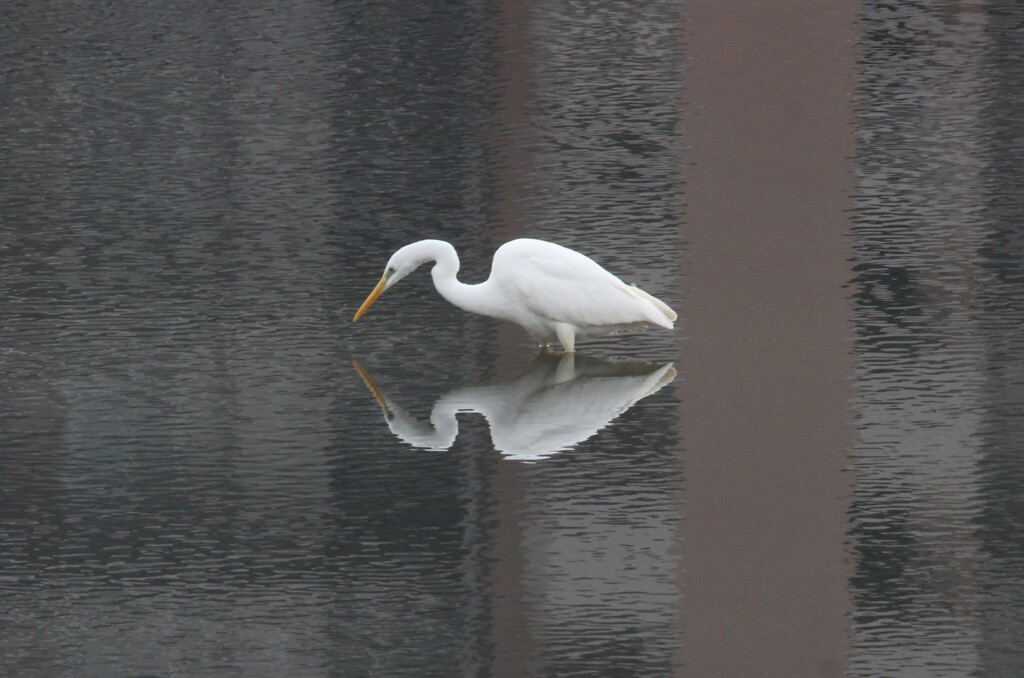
(405, 261)
(402, 263)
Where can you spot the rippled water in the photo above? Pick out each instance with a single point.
(937, 509)
(207, 469)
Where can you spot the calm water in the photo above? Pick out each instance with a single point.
(206, 469)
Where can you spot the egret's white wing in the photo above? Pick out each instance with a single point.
(565, 286)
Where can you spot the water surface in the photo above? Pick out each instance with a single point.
(817, 473)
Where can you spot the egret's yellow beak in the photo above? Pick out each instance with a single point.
(373, 296)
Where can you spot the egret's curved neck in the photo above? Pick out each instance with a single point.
(475, 298)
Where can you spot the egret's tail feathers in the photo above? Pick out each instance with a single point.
(665, 316)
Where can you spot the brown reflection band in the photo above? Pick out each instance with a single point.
(766, 369)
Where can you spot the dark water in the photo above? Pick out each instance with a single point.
(195, 478)
(937, 515)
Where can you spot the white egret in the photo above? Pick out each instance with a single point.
(553, 292)
(556, 403)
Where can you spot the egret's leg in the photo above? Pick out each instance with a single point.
(566, 337)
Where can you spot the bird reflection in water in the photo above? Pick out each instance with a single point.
(560, 400)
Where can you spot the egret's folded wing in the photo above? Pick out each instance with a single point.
(566, 286)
